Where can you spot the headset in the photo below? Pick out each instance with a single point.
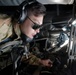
(21, 12)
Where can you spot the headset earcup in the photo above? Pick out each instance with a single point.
(22, 16)
(22, 11)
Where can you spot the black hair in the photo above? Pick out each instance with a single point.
(36, 9)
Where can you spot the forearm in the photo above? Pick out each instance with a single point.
(32, 60)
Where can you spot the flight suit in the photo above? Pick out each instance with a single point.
(5, 32)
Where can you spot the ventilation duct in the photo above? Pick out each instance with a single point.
(56, 1)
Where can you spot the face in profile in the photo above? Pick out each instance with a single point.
(27, 26)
